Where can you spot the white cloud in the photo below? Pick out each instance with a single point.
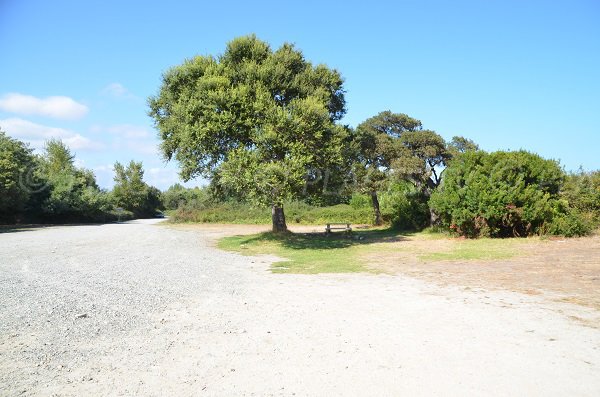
(135, 138)
(117, 90)
(37, 134)
(58, 107)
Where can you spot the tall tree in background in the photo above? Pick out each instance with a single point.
(377, 147)
(73, 191)
(253, 119)
(132, 193)
(459, 145)
(422, 155)
(423, 158)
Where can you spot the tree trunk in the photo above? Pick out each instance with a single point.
(278, 218)
(376, 210)
(434, 218)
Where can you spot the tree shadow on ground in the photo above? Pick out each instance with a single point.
(34, 227)
(336, 240)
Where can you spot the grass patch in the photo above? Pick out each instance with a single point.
(479, 249)
(310, 252)
(316, 253)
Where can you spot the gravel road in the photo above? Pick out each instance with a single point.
(145, 309)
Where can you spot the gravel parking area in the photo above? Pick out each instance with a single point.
(145, 309)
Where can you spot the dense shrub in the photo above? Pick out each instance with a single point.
(299, 212)
(177, 196)
(504, 194)
(295, 212)
(582, 193)
(402, 206)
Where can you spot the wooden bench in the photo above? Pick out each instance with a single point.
(338, 226)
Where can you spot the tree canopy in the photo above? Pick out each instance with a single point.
(16, 166)
(253, 119)
(377, 142)
(132, 193)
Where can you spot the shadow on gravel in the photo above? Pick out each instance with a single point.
(34, 227)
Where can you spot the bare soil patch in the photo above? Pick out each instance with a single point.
(564, 269)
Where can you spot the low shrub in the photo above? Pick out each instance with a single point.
(505, 194)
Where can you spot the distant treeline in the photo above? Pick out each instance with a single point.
(51, 188)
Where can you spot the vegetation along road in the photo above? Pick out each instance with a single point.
(141, 308)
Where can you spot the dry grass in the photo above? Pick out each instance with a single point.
(568, 269)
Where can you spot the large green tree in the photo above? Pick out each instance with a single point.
(16, 171)
(377, 143)
(252, 119)
(73, 193)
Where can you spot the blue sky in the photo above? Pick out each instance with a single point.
(507, 74)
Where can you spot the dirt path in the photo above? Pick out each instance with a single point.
(142, 309)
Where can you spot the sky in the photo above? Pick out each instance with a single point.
(507, 74)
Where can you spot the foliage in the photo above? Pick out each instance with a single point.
(297, 212)
(377, 146)
(422, 154)
(16, 164)
(177, 196)
(503, 194)
(570, 223)
(51, 188)
(73, 194)
(402, 206)
(132, 193)
(460, 144)
(253, 120)
(582, 193)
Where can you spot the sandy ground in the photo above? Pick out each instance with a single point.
(171, 315)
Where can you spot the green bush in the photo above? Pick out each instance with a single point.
(295, 212)
(401, 206)
(178, 195)
(569, 224)
(504, 194)
(404, 208)
(582, 192)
